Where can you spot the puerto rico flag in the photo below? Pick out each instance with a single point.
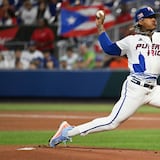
(79, 21)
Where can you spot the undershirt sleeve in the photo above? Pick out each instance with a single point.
(108, 46)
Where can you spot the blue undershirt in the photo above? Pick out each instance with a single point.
(108, 46)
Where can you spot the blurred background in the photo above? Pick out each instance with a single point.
(49, 48)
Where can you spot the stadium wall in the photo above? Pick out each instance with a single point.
(61, 84)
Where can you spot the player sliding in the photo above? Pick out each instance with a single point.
(140, 87)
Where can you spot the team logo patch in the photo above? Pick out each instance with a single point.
(140, 15)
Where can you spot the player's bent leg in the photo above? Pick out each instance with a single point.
(118, 115)
(122, 110)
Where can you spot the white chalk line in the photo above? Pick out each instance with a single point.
(37, 116)
(25, 149)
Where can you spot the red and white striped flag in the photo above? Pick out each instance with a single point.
(79, 21)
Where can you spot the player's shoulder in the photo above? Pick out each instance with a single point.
(139, 37)
(131, 37)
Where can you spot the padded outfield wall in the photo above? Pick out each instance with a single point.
(61, 84)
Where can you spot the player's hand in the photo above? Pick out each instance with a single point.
(100, 17)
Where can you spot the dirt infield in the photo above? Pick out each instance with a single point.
(50, 120)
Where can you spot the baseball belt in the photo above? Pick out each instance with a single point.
(143, 85)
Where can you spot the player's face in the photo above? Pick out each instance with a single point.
(149, 23)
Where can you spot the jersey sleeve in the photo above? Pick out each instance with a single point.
(108, 46)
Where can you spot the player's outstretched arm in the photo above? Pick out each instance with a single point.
(108, 46)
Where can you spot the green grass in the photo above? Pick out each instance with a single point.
(76, 107)
(126, 139)
(23, 137)
(55, 107)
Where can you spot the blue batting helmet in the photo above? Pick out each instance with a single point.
(144, 13)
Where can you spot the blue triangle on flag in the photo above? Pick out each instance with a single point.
(70, 20)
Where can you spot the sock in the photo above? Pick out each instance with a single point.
(75, 131)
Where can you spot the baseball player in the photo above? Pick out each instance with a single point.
(140, 87)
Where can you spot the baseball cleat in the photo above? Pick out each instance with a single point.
(61, 134)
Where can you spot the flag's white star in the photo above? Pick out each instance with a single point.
(71, 20)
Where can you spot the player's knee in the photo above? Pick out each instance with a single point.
(114, 125)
